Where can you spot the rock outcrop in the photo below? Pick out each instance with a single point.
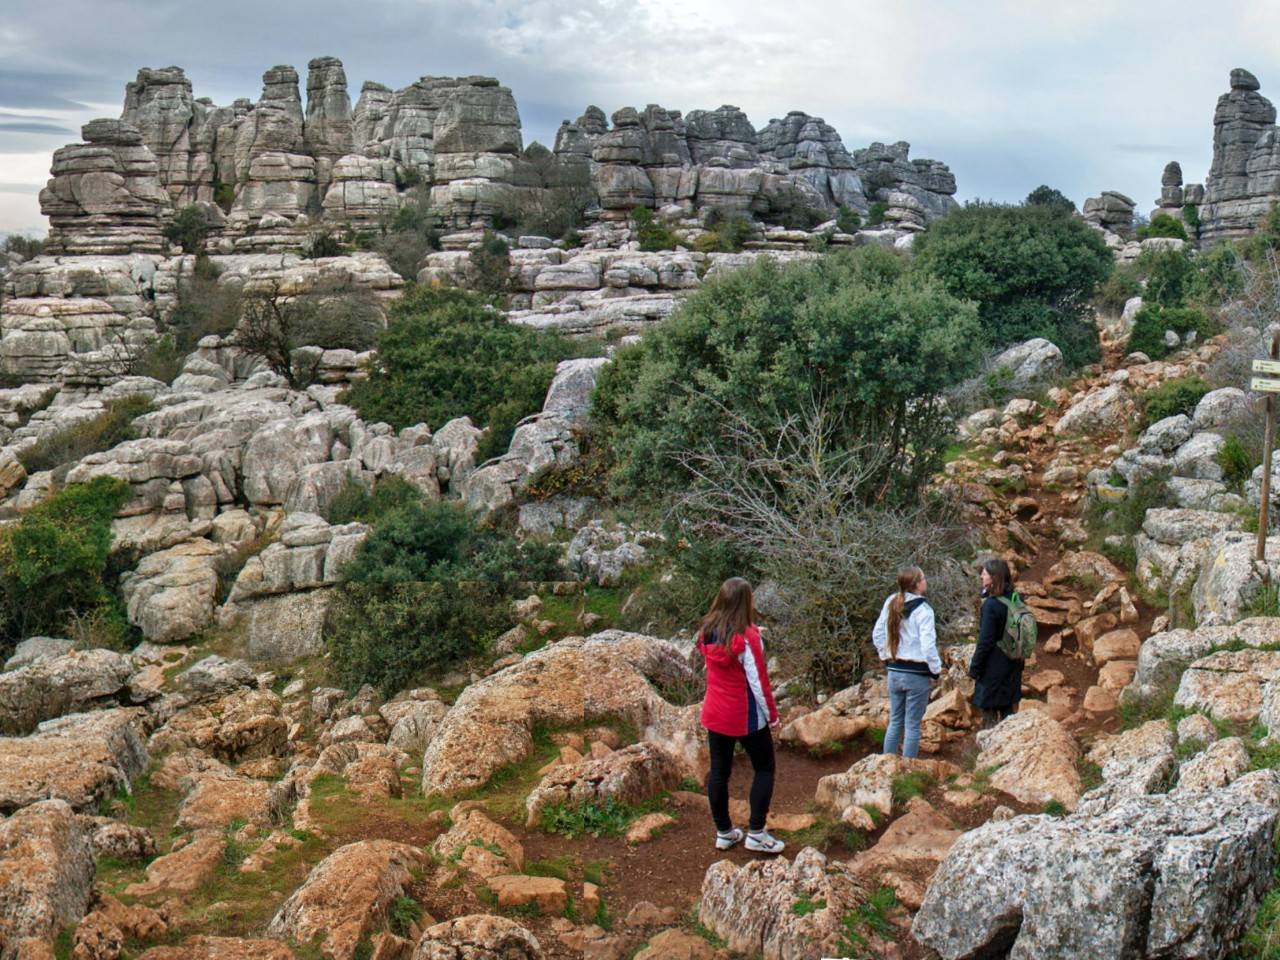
(1181, 876)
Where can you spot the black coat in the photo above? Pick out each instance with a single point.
(997, 678)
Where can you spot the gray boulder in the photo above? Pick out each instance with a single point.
(52, 687)
(1225, 407)
(215, 676)
(1156, 876)
(1033, 363)
(37, 648)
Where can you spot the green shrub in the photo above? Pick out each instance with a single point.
(802, 217)
(1031, 269)
(114, 425)
(652, 233)
(428, 589)
(407, 238)
(847, 220)
(1114, 292)
(857, 328)
(224, 195)
(1163, 225)
(1237, 461)
(1046, 196)
(605, 818)
(188, 230)
(323, 243)
(1169, 275)
(54, 559)
(446, 353)
(356, 502)
(491, 261)
(1219, 276)
(1174, 397)
(1191, 217)
(404, 914)
(876, 212)
(1151, 322)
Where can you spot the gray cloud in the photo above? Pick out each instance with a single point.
(1010, 94)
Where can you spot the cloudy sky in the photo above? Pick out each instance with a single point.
(1085, 96)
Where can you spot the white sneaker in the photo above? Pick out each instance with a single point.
(726, 840)
(763, 842)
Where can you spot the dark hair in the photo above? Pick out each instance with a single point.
(1001, 578)
(731, 612)
(908, 577)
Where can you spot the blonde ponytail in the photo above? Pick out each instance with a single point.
(908, 577)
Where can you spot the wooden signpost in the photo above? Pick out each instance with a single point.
(1270, 388)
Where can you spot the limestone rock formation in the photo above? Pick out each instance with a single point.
(348, 894)
(753, 906)
(1111, 212)
(105, 195)
(477, 937)
(46, 875)
(1181, 876)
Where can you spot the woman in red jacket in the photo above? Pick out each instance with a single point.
(738, 708)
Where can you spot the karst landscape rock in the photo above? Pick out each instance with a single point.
(204, 764)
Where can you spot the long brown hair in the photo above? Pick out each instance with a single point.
(731, 612)
(908, 577)
(1000, 577)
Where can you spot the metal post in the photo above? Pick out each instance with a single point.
(1263, 519)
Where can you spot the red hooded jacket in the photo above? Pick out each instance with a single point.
(739, 700)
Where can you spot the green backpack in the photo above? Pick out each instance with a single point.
(1019, 639)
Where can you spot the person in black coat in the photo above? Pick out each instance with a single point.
(997, 678)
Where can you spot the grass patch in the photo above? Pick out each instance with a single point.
(606, 818)
(405, 913)
(826, 834)
(698, 929)
(1090, 775)
(114, 425)
(910, 785)
(871, 917)
(596, 871)
(1055, 808)
(804, 906)
(603, 919)
(561, 867)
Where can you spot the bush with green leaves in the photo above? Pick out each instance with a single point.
(876, 212)
(188, 230)
(407, 238)
(651, 232)
(54, 560)
(1163, 225)
(1151, 322)
(1169, 276)
(114, 425)
(858, 328)
(1118, 289)
(491, 264)
(848, 220)
(428, 589)
(727, 231)
(1031, 269)
(1046, 196)
(1237, 460)
(1174, 397)
(447, 353)
(325, 242)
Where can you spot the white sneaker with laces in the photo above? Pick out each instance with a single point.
(726, 840)
(763, 842)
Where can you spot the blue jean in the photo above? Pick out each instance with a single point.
(908, 698)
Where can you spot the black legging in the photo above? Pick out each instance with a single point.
(759, 747)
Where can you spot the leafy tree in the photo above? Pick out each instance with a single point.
(1046, 196)
(54, 559)
(1170, 276)
(447, 353)
(1030, 269)
(188, 230)
(855, 329)
(273, 326)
